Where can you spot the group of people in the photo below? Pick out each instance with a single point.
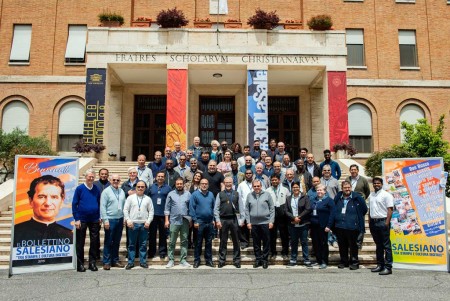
(199, 194)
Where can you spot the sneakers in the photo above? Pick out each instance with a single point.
(185, 264)
(354, 267)
(307, 263)
(291, 265)
(129, 266)
(322, 266)
(170, 264)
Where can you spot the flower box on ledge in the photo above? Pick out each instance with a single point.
(293, 24)
(232, 24)
(202, 23)
(141, 23)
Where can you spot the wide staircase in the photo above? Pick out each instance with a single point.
(366, 255)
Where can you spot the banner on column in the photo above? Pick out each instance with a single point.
(418, 224)
(337, 107)
(94, 121)
(176, 108)
(42, 229)
(257, 106)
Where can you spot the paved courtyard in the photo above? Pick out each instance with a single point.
(229, 283)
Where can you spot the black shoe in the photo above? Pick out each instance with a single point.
(377, 269)
(144, 265)
(93, 267)
(221, 265)
(342, 266)
(81, 268)
(210, 264)
(237, 265)
(244, 246)
(162, 256)
(196, 264)
(129, 266)
(257, 264)
(354, 267)
(386, 271)
(265, 265)
(291, 264)
(117, 265)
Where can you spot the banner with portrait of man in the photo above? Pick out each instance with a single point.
(42, 228)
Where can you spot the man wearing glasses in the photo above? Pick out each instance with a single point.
(201, 209)
(112, 202)
(138, 214)
(330, 183)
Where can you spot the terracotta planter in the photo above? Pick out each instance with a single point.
(293, 26)
(110, 24)
(141, 23)
(267, 26)
(232, 24)
(202, 24)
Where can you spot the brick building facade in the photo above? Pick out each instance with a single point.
(381, 84)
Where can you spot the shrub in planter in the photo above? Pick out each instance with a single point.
(171, 18)
(82, 147)
(110, 19)
(264, 20)
(346, 147)
(320, 22)
(98, 147)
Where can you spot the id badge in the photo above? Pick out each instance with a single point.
(343, 210)
(314, 212)
(158, 201)
(139, 215)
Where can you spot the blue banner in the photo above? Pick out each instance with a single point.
(95, 105)
(257, 108)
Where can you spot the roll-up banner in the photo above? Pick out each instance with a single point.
(258, 108)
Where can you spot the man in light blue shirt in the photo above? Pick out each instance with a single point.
(112, 201)
(177, 207)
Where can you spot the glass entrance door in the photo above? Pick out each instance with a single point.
(149, 125)
(284, 123)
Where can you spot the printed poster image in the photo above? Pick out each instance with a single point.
(43, 236)
(418, 225)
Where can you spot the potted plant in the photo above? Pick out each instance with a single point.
(320, 22)
(82, 147)
(202, 23)
(108, 19)
(264, 20)
(112, 156)
(142, 22)
(171, 18)
(98, 148)
(232, 23)
(344, 150)
(293, 24)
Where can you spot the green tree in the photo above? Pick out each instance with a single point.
(19, 143)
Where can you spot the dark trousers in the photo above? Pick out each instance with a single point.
(205, 231)
(381, 237)
(281, 226)
(319, 240)
(157, 225)
(347, 240)
(94, 235)
(192, 237)
(261, 233)
(299, 233)
(112, 241)
(229, 225)
(244, 235)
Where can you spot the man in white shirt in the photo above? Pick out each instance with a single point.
(244, 189)
(144, 173)
(381, 205)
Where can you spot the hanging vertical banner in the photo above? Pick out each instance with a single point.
(94, 122)
(176, 108)
(42, 230)
(418, 224)
(258, 107)
(337, 107)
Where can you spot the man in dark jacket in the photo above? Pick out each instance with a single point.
(298, 212)
(349, 223)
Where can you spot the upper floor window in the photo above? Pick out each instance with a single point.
(21, 44)
(218, 7)
(355, 47)
(408, 48)
(15, 115)
(76, 44)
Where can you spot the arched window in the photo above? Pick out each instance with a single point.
(15, 115)
(71, 120)
(360, 127)
(410, 113)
